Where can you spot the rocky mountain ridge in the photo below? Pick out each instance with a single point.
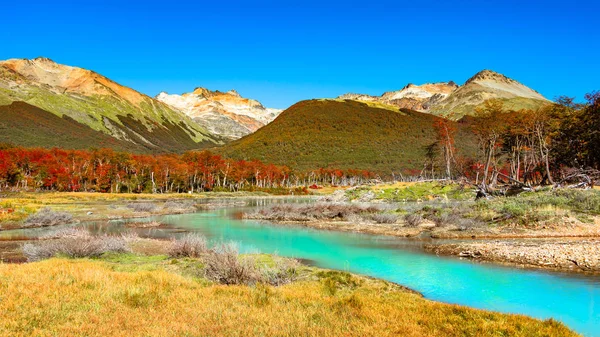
(226, 114)
(450, 99)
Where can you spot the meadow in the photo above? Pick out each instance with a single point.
(135, 295)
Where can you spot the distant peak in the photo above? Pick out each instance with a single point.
(202, 92)
(234, 93)
(43, 59)
(487, 74)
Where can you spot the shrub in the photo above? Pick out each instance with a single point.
(47, 217)
(190, 245)
(413, 219)
(142, 206)
(224, 265)
(384, 218)
(75, 247)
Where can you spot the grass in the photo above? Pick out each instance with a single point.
(120, 295)
(407, 192)
(537, 207)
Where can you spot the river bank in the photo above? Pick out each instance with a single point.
(564, 254)
(571, 250)
(16, 208)
(540, 229)
(142, 287)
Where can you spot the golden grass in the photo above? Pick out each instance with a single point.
(398, 184)
(61, 297)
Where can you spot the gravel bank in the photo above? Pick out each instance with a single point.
(575, 255)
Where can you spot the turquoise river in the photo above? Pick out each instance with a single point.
(570, 298)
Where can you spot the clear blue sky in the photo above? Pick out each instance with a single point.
(282, 53)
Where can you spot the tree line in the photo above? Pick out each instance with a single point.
(105, 170)
(552, 145)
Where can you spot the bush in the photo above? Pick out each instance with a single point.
(384, 218)
(190, 245)
(75, 247)
(413, 219)
(142, 206)
(224, 265)
(47, 217)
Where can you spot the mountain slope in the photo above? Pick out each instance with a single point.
(100, 104)
(30, 126)
(344, 134)
(449, 99)
(487, 85)
(228, 114)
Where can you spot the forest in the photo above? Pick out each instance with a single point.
(554, 145)
(105, 170)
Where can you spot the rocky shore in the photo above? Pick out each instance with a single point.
(573, 255)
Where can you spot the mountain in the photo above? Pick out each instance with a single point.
(449, 99)
(414, 97)
(346, 134)
(226, 114)
(90, 106)
(487, 85)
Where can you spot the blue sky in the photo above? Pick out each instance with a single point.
(282, 52)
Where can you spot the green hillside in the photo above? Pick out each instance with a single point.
(345, 134)
(84, 100)
(26, 125)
